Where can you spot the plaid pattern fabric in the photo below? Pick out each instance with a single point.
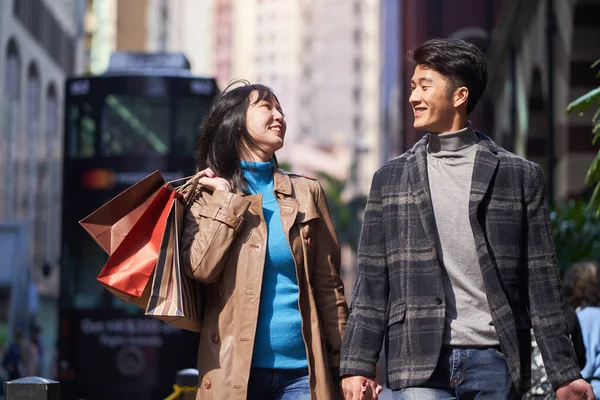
(399, 296)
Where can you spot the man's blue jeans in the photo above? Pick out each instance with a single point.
(278, 384)
(464, 373)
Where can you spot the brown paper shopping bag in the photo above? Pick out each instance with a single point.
(129, 269)
(109, 224)
(174, 297)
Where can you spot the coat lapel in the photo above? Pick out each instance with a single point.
(419, 187)
(486, 164)
(288, 205)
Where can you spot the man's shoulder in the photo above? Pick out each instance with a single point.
(507, 158)
(392, 165)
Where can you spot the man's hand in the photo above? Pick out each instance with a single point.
(360, 388)
(575, 390)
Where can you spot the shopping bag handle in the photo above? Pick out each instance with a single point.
(180, 179)
(188, 189)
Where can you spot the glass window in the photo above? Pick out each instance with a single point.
(190, 113)
(52, 184)
(34, 195)
(135, 125)
(82, 130)
(35, 141)
(12, 95)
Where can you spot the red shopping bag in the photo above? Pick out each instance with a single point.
(129, 269)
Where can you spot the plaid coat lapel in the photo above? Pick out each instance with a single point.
(419, 188)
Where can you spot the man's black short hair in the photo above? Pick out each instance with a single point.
(459, 61)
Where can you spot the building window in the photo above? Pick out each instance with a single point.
(52, 181)
(12, 95)
(357, 36)
(356, 94)
(356, 123)
(35, 159)
(357, 65)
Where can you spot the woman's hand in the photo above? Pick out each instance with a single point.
(360, 388)
(209, 180)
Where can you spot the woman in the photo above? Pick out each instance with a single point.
(263, 242)
(581, 287)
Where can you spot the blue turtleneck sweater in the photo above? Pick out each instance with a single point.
(278, 343)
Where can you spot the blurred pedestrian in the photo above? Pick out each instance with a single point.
(541, 388)
(13, 357)
(456, 260)
(582, 289)
(262, 241)
(34, 353)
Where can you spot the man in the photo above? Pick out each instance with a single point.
(456, 260)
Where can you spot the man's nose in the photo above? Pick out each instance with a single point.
(414, 97)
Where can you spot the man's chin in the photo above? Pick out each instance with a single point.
(420, 127)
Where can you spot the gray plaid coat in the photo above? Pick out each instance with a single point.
(399, 297)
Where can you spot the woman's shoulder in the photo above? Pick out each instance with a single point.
(295, 175)
(589, 316)
(302, 182)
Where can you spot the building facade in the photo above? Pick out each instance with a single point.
(149, 26)
(322, 59)
(423, 20)
(39, 47)
(541, 55)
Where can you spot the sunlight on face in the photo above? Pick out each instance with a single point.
(433, 108)
(266, 125)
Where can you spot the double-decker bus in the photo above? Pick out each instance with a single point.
(143, 114)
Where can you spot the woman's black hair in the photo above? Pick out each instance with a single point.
(224, 140)
(461, 62)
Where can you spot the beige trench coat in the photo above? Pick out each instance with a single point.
(224, 245)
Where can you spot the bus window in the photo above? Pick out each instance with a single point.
(135, 125)
(89, 293)
(189, 115)
(81, 130)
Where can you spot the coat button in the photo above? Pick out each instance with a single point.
(220, 294)
(215, 338)
(207, 384)
(438, 300)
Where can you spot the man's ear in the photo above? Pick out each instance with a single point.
(461, 96)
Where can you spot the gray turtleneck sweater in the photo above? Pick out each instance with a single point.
(450, 160)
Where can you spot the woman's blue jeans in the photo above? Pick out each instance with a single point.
(462, 373)
(278, 384)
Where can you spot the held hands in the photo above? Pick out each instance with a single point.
(209, 180)
(360, 388)
(575, 390)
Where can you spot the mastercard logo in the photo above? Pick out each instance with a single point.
(97, 179)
